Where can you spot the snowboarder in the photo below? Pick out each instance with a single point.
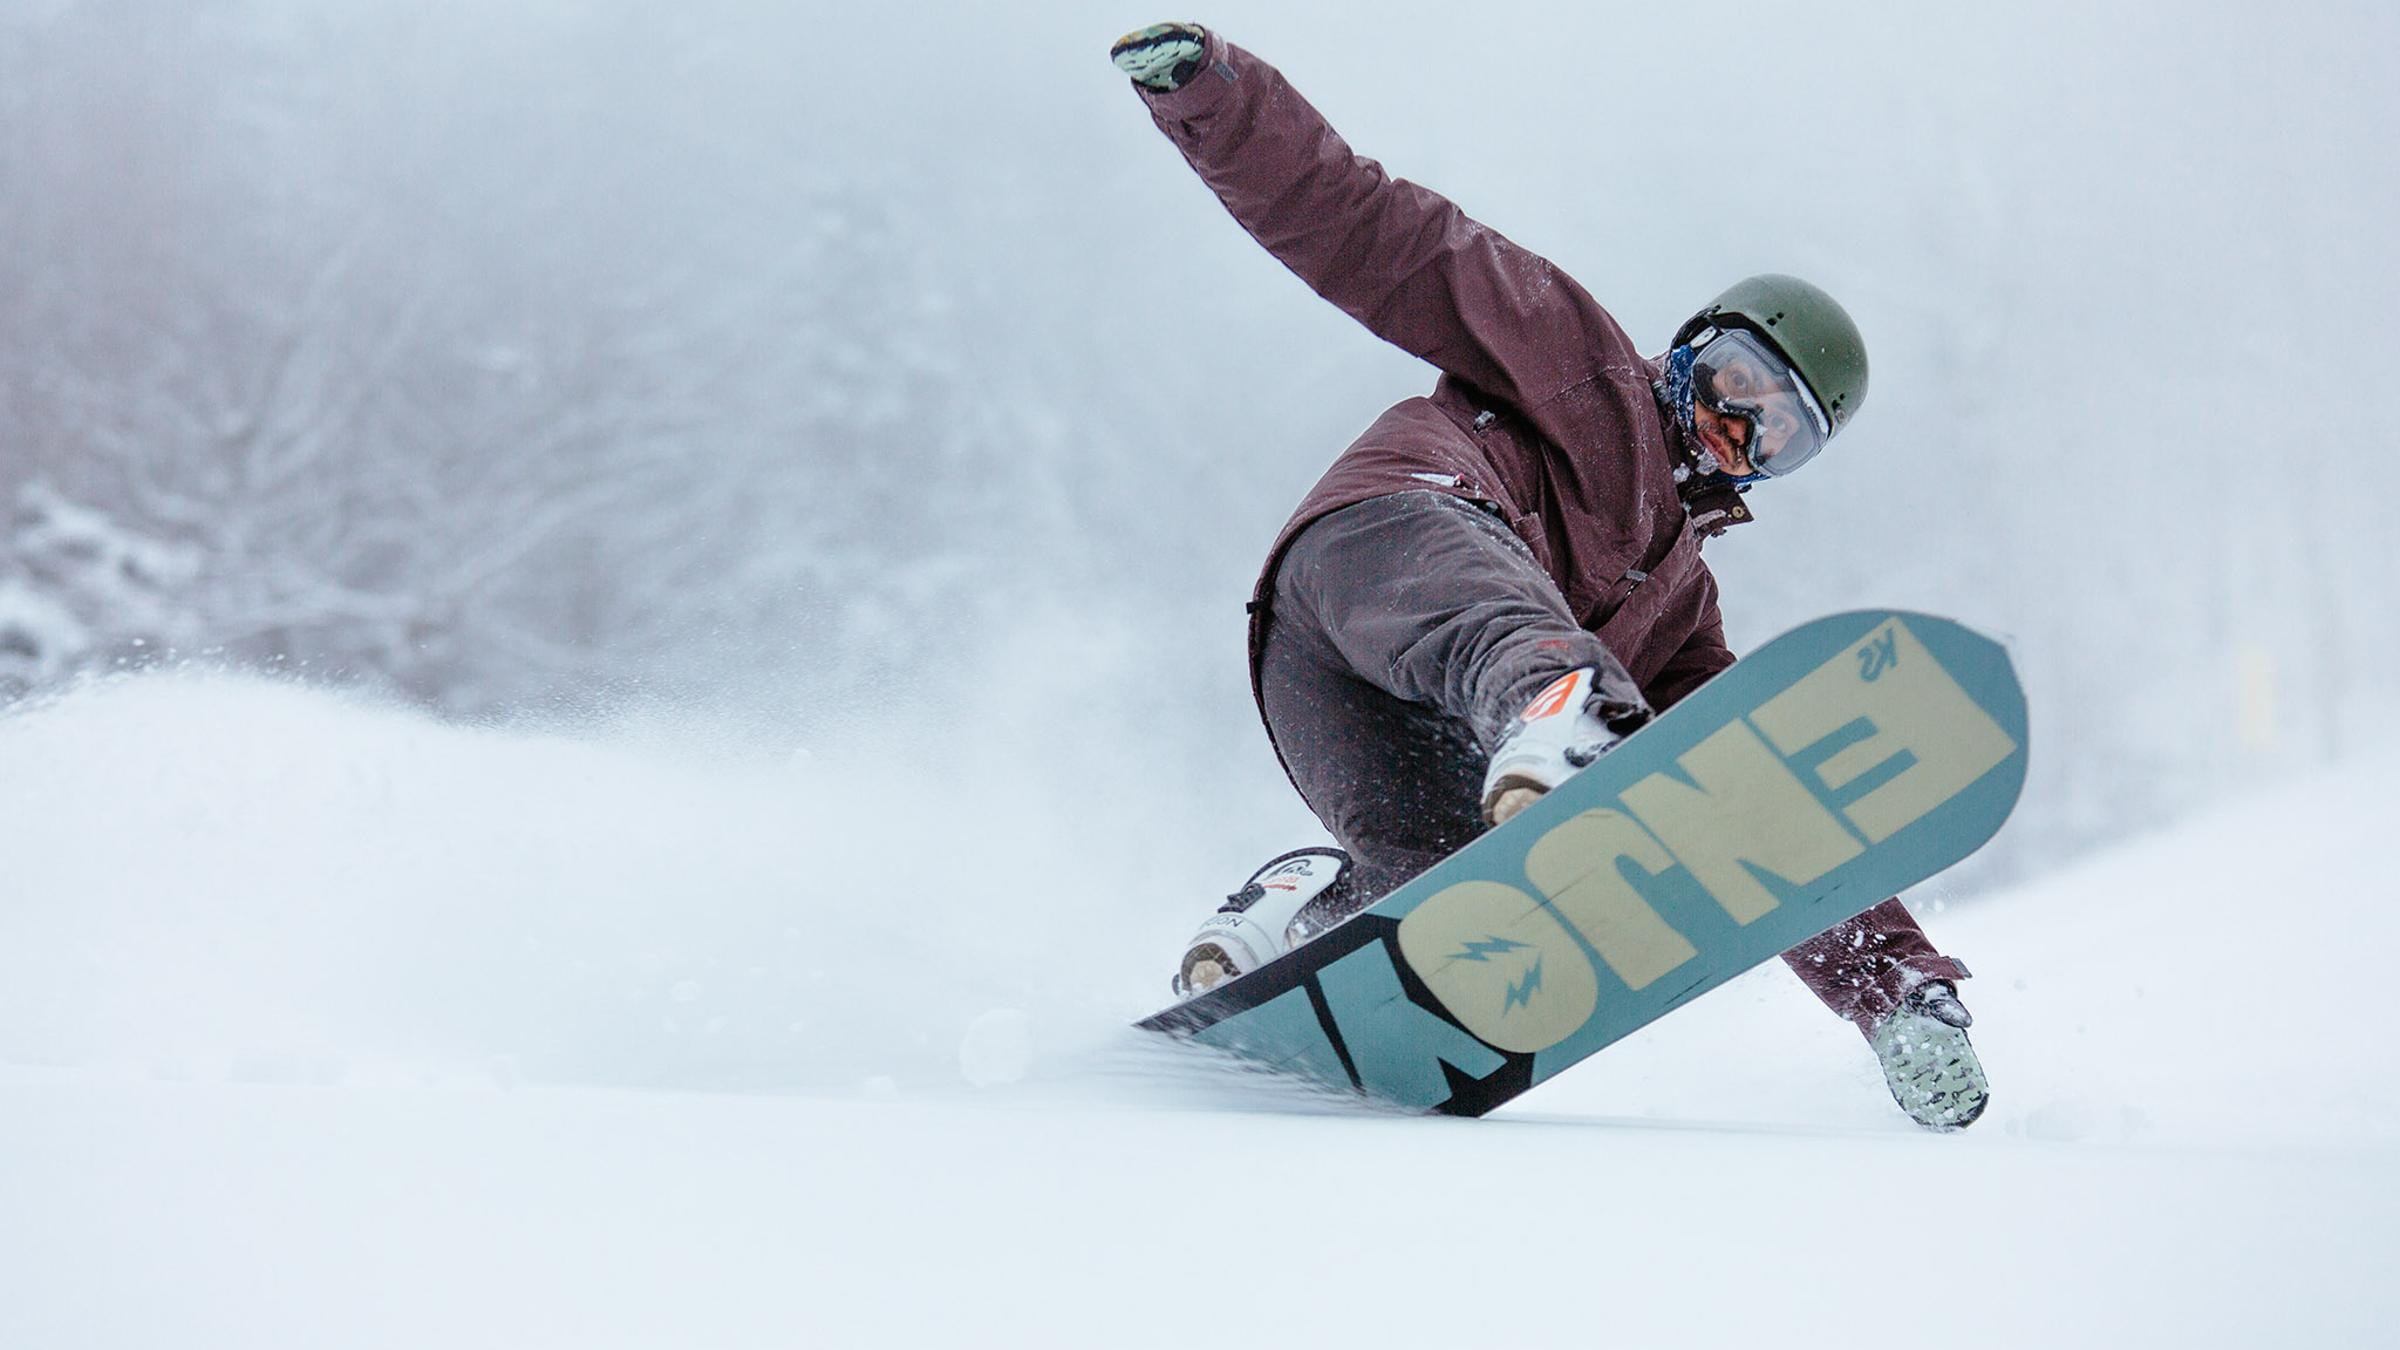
(1497, 582)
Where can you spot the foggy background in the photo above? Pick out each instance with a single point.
(882, 385)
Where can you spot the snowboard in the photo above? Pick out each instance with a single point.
(1834, 767)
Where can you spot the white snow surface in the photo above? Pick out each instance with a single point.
(324, 1024)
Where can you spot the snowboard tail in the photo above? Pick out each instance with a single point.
(1841, 763)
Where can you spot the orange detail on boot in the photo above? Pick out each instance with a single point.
(1553, 700)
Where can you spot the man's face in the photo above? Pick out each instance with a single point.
(1745, 407)
(1722, 436)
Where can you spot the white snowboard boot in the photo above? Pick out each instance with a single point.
(1254, 925)
(1558, 734)
(1927, 1061)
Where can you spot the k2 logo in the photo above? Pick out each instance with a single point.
(1879, 655)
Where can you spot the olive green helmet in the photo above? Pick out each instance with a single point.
(1806, 326)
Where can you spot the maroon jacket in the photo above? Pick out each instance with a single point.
(1544, 412)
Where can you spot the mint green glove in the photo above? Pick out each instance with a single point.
(1163, 56)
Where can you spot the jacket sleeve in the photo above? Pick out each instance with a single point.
(1399, 258)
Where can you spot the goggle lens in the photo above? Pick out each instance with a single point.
(1740, 377)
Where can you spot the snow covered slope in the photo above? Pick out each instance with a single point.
(324, 1025)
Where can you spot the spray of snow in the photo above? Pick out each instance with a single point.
(211, 877)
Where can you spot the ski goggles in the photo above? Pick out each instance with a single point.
(1741, 378)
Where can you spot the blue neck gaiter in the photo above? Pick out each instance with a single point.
(1675, 386)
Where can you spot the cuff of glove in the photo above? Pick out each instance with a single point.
(1205, 90)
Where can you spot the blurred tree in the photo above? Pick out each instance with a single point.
(479, 376)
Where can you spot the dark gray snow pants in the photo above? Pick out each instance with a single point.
(1402, 635)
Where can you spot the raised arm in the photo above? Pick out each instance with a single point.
(1399, 258)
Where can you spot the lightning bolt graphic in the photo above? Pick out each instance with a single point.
(1520, 995)
(1483, 949)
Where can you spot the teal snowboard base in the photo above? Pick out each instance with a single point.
(1836, 766)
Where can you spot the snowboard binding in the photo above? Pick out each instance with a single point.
(1255, 924)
